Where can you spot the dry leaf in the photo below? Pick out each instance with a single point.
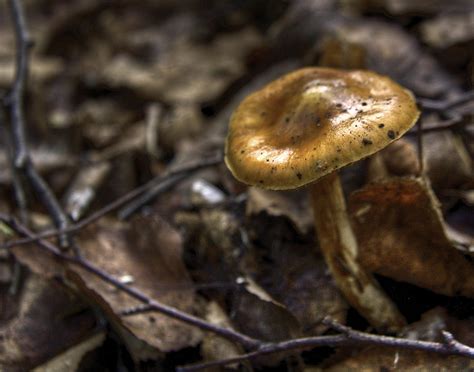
(49, 319)
(401, 233)
(147, 255)
(258, 315)
(289, 204)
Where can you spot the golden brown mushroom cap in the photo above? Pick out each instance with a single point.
(313, 121)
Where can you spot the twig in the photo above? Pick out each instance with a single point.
(172, 312)
(21, 156)
(15, 98)
(140, 309)
(149, 195)
(134, 310)
(348, 337)
(185, 169)
(419, 139)
(448, 124)
(437, 105)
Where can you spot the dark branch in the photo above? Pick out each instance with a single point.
(21, 156)
(172, 312)
(440, 106)
(348, 337)
(15, 98)
(185, 169)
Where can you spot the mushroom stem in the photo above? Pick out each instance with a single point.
(339, 247)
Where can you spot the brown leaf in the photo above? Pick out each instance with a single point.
(148, 255)
(290, 205)
(49, 319)
(401, 233)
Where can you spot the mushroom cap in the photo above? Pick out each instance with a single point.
(312, 122)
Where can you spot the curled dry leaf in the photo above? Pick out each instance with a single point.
(400, 228)
(49, 319)
(148, 255)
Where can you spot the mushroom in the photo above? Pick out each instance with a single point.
(299, 130)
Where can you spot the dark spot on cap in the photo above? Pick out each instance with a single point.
(391, 134)
(338, 104)
(287, 119)
(366, 141)
(263, 113)
(242, 151)
(299, 175)
(364, 103)
(381, 125)
(261, 181)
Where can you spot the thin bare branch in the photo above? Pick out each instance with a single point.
(443, 105)
(348, 337)
(21, 156)
(246, 341)
(185, 169)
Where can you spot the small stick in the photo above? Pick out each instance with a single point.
(348, 337)
(185, 169)
(443, 105)
(419, 139)
(21, 156)
(246, 341)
